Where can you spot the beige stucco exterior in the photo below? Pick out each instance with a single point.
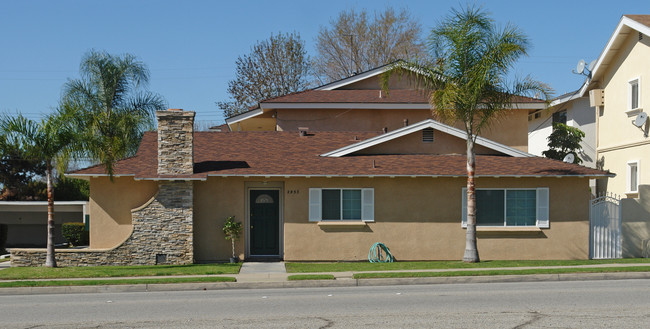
(417, 218)
(420, 219)
(509, 129)
(635, 224)
(110, 206)
(412, 144)
(618, 140)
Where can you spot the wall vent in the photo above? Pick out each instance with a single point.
(161, 259)
(596, 97)
(427, 135)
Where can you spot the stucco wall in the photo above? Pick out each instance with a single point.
(619, 141)
(509, 129)
(215, 200)
(443, 143)
(418, 218)
(110, 208)
(635, 216)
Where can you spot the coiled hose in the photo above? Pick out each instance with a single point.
(375, 255)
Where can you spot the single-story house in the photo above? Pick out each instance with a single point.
(327, 195)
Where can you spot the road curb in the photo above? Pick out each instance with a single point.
(347, 282)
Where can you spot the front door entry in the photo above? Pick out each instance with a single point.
(264, 223)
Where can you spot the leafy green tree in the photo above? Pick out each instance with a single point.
(109, 107)
(71, 189)
(17, 174)
(467, 83)
(49, 140)
(564, 140)
(274, 67)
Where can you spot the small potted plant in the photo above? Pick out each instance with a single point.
(232, 230)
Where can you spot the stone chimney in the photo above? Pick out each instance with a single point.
(175, 142)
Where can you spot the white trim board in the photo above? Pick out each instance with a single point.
(618, 33)
(429, 123)
(244, 116)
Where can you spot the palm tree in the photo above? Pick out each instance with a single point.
(108, 107)
(467, 83)
(49, 140)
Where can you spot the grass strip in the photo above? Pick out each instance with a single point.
(23, 273)
(500, 272)
(435, 265)
(112, 282)
(297, 277)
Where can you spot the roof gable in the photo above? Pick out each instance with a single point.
(429, 123)
(355, 78)
(628, 23)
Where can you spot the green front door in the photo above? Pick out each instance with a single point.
(264, 223)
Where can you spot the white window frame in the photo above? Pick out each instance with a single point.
(628, 185)
(634, 81)
(541, 206)
(316, 204)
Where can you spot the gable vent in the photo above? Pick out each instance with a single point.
(427, 135)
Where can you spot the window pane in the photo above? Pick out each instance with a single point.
(633, 176)
(331, 204)
(351, 204)
(560, 117)
(489, 207)
(634, 94)
(521, 208)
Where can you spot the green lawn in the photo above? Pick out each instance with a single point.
(25, 273)
(432, 265)
(297, 277)
(113, 282)
(500, 272)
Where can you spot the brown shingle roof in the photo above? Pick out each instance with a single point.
(287, 154)
(365, 96)
(643, 19)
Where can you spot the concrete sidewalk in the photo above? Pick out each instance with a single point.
(254, 275)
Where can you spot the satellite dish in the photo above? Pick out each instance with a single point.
(581, 66)
(591, 65)
(641, 119)
(569, 158)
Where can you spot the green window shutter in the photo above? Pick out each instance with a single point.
(315, 204)
(464, 208)
(542, 207)
(368, 204)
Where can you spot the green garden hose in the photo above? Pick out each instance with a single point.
(375, 255)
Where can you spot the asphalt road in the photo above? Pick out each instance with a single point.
(576, 304)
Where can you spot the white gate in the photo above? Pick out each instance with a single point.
(605, 227)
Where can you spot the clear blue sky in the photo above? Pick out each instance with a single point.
(191, 46)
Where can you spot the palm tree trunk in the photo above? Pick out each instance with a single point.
(50, 261)
(471, 250)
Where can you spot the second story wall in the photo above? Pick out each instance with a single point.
(631, 64)
(578, 115)
(509, 129)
